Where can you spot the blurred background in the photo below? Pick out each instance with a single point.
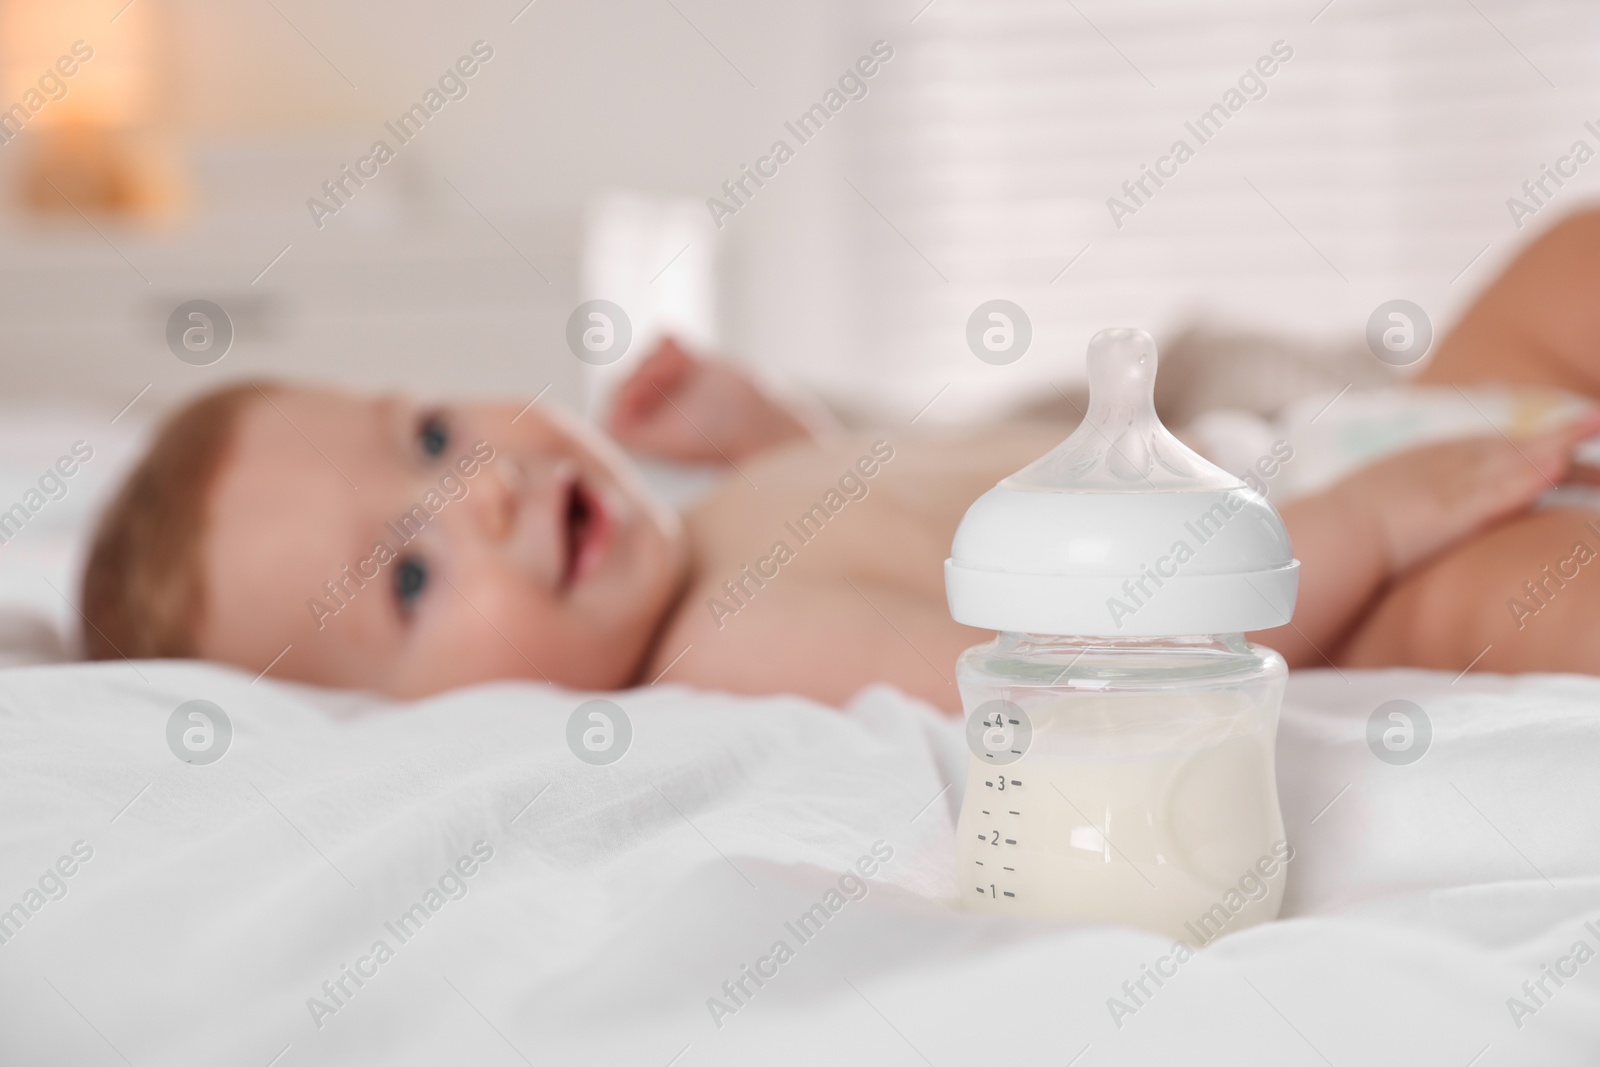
(178, 161)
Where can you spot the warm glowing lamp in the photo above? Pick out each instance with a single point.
(78, 92)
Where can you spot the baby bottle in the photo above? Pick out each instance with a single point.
(1121, 727)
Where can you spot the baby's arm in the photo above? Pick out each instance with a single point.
(1352, 539)
(679, 407)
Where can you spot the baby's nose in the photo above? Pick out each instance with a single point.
(512, 484)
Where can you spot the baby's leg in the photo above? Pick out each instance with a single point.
(1525, 590)
(1536, 324)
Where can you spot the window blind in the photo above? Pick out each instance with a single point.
(1374, 162)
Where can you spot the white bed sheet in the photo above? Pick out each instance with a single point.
(218, 899)
(40, 561)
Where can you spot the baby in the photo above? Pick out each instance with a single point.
(377, 543)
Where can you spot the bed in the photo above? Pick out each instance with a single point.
(231, 912)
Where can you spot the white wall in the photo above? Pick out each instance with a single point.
(416, 282)
(986, 147)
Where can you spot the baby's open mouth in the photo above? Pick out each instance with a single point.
(587, 528)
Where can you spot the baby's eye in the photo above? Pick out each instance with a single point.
(433, 435)
(410, 577)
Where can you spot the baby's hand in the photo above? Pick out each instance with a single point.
(1422, 501)
(690, 410)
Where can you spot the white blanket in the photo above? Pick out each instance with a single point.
(599, 923)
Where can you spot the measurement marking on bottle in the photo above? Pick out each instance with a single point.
(1013, 870)
(986, 811)
(1008, 892)
(980, 864)
(1010, 841)
(1013, 813)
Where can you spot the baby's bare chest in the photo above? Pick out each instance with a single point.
(780, 547)
(866, 514)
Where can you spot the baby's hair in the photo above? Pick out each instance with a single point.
(143, 584)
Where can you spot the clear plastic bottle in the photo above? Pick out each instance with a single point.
(1121, 728)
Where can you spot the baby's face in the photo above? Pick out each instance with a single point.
(411, 549)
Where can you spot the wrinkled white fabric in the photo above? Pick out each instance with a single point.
(619, 901)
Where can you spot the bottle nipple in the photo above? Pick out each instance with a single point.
(1121, 444)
